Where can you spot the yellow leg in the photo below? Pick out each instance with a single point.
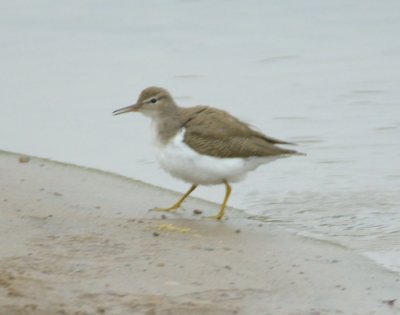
(179, 202)
(222, 209)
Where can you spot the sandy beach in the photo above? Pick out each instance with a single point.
(318, 74)
(81, 241)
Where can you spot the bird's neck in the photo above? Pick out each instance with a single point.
(167, 124)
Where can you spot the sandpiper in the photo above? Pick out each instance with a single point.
(203, 145)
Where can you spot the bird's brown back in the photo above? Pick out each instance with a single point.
(214, 132)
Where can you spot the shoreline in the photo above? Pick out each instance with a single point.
(77, 239)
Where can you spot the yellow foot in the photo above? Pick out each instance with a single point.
(170, 209)
(214, 217)
(221, 212)
(179, 202)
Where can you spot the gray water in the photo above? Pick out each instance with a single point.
(323, 74)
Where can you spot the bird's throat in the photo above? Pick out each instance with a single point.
(166, 128)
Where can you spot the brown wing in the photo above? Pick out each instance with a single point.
(214, 132)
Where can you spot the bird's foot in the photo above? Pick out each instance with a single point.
(169, 209)
(214, 217)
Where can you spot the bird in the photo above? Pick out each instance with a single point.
(203, 145)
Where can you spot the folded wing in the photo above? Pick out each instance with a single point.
(215, 132)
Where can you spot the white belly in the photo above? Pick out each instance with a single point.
(183, 162)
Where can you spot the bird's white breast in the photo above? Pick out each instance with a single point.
(181, 161)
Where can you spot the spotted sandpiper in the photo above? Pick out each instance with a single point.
(203, 145)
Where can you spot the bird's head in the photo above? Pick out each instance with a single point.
(151, 102)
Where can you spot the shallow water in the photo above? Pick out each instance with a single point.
(323, 75)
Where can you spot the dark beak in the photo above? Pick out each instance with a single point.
(132, 108)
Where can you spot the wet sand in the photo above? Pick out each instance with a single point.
(80, 241)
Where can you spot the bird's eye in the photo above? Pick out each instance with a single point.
(153, 100)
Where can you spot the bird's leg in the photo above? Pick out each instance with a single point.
(179, 202)
(222, 209)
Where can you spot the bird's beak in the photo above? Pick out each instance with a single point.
(132, 108)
